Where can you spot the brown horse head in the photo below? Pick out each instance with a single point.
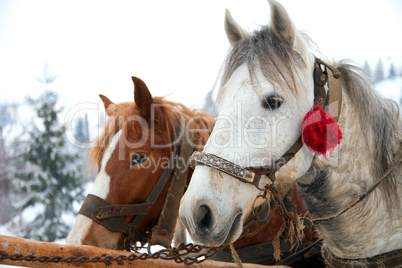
(131, 154)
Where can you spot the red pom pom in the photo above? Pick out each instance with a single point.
(320, 132)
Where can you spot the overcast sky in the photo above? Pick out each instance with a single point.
(176, 47)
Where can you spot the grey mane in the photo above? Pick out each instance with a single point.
(378, 116)
(278, 61)
(280, 64)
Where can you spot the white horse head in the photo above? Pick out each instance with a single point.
(267, 89)
(266, 92)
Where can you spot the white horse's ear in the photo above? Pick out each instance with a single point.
(234, 31)
(281, 24)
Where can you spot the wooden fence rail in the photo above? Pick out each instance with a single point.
(14, 245)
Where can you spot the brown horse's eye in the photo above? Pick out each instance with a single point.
(137, 159)
(272, 102)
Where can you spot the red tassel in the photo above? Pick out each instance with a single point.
(320, 132)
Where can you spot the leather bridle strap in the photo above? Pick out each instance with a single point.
(225, 166)
(332, 100)
(248, 175)
(162, 233)
(334, 103)
(122, 210)
(112, 216)
(134, 234)
(270, 171)
(90, 209)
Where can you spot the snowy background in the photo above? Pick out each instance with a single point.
(177, 47)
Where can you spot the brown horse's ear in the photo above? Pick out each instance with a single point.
(106, 103)
(142, 98)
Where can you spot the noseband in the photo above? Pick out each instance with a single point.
(252, 175)
(112, 216)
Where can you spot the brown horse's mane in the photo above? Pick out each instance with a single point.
(164, 113)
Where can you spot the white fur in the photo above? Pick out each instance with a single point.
(369, 229)
(369, 223)
(247, 134)
(100, 189)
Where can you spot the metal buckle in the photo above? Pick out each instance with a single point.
(248, 176)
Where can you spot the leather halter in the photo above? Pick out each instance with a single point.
(253, 175)
(111, 216)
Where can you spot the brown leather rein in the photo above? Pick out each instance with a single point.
(112, 216)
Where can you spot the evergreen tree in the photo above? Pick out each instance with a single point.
(8, 193)
(53, 180)
(379, 72)
(392, 72)
(81, 131)
(86, 126)
(400, 99)
(367, 68)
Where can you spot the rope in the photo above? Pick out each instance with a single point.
(396, 163)
(235, 256)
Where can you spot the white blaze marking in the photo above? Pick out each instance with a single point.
(100, 189)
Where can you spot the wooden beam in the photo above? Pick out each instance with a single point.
(15, 245)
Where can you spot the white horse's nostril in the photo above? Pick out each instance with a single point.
(203, 219)
(235, 226)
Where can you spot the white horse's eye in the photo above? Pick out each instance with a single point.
(272, 102)
(137, 159)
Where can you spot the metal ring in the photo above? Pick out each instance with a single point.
(124, 242)
(257, 216)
